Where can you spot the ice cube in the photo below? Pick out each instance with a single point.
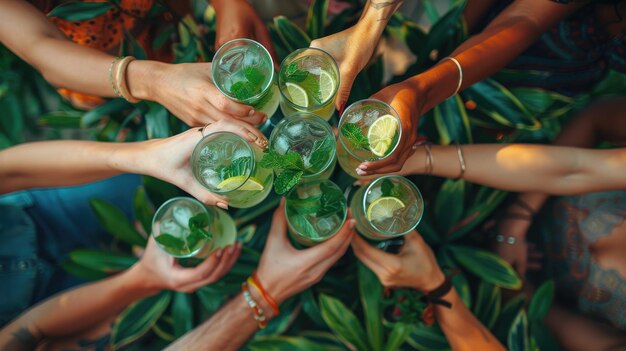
(231, 62)
(281, 145)
(316, 131)
(295, 131)
(252, 58)
(182, 215)
(354, 117)
(328, 224)
(370, 116)
(169, 226)
(211, 177)
(241, 152)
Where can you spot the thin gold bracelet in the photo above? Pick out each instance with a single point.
(121, 79)
(458, 65)
(459, 152)
(430, 160)
(111, 66)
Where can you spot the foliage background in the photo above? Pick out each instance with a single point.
(331, 315)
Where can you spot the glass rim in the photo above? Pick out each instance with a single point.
(314, 106)
(222, 50)
(345, 211)
(418, 197)
(160, 209)
(196, 151)
(315, 119)
(342, 121)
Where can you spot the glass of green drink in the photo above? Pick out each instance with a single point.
(184, 227)
(389, 207)
(369, 130)
(311, 138)
(308, 81)
(243, 71)
(315, 211)
(226, 164)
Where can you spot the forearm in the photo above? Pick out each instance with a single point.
(462, 329)
(76, 310)
(64, 163)
(517, 167)
(228, 329)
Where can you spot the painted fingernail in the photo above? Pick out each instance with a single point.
(253, 136)
(251, 113)
(220, 252)
(222, 205)
(363, 167)
(351, 223)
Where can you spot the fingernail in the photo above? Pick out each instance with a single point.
(363, 167)
(222, 205)
(231, 248)
(220, 252)
(251, 113)
(253, 136)
(351, 223)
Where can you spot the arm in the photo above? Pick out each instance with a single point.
(76, 162)
(79, 309)
(353, 48)
(283, 271)
(507, 36)
(415, 267)
(184, 89)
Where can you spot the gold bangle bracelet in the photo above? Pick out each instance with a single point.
(458, 65)
(111, 78)
(121, 79)
(459, 152)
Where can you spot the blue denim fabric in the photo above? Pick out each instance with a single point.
(38, 229)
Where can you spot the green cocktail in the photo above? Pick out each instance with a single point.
(227, 164)
(389, 207)
(243, 70)
(308, 81)
(310, 141)
(184, 227)
(369, 130)
(315, 211)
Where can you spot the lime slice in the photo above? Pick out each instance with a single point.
(327, 86)
(380, 134)
(383, 208)
(253, 184)
(297, 95)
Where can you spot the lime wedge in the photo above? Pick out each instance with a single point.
(297, 95)
(327, 86)
(383, 208)
(253, 184)
(380, 134)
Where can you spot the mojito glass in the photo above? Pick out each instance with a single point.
(308, 81)
(369, 130)
(312, 138)
(184, 227)
(226, 164)
(390, 206)
(315, 211)
(243, 71)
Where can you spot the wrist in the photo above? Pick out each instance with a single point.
(436, 84)
(130, 157)
(432, 281)
(141, 77)
(136, 280)
(274, 289)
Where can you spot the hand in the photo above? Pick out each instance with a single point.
(238, 19)
(187, 91)
(168, 159)
(517, 255)
(159, 271)
(413, 267)
(352, 49)
(407, 100)
(285, 271)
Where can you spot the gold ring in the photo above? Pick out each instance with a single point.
(203, 128)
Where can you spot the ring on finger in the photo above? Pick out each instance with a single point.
(203, 128)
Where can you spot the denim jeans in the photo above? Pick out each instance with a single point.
(38, 229)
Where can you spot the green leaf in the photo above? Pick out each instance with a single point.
(331, 202)
(541, 302)
(452, 121)
(115, 223)
(295, 74)
(414, 36)
(311, 308)
(485, 202)
(487, 266)
(83, 272)
(135, 48)
(508, 313)
(238, 167)
(544, 339)
(159, 191)
(284, 343)
(371, 292)
(399, 333)
(12, 122)
(292, 36)
(316, 18)
(142, 209)
(487, 306)
(353, 133)
(449, 205)
(304, 226)
(518, 335)
(80, 11)
(112, 106)
(211, 298)
(164, 35)
(61, 119)
(286, 180)
(157, 121)
(103, 261)
(322, 150)
(423, 337)
(182, 312)
(137, 320)
(443, 32)
(343, 323)
(289, 161)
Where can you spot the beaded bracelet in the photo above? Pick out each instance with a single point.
(257, 311)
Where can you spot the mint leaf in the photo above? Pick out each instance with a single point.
(242, 90)
(303, 226)
(171, 242)
(388, 188)
(331, 201)
(238, 167)
(312, 87)
(291, 160)
(353, 133)
(307, 206)
(322, 151)
(295, 74)
(263, 100)
(200, 220)
(286, 180)
(254, 76)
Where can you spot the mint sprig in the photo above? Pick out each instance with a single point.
(388, 188)
(197, 225)
(295, 74)
(321, 150)
(245, 89)
(238, 167)
(355, 136)
(330, 201)
(291, 164)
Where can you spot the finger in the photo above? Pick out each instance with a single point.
(226, 105)
(329, 252)
(521, 267)
(186, 276)
(229, 257)
(263, 37)
(278, 230)
(245, 130)
(393, 164)
(370, 256)
(203, 195)
(346, 80)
